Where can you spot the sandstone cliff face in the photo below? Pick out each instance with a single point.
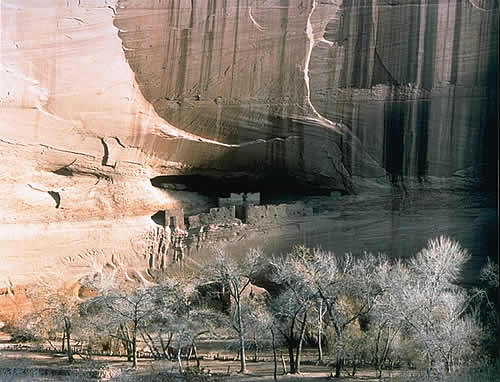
(99, 96)
(409, 80)
(412, 79)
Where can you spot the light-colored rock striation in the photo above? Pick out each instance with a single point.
(99, 96)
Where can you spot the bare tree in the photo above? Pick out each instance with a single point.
(56, 309)
(292, 307)
(126, 312)
(174, 299)
(189, 327)
(290, 313)
(234, 278)
(435, 310)
(347, 286)
(384, 322)
(356, 347)
(490, 279)
(258, 322)
(321, 312)
(489, 274)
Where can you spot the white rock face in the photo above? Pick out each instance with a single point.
(73, 136)
(99, 96)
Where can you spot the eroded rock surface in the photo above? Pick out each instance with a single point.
(97, 97)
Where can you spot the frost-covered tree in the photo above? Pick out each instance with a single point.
(434, 309)
(234, 277)
(290, 311)
(489, 277)
(258, 322)
(347, 286)
(125, 313)
(56, 310)
(189, 327)
(174, 302)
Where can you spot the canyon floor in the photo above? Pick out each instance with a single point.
(21, 363)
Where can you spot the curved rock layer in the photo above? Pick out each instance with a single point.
(99, 96)
(411, 80)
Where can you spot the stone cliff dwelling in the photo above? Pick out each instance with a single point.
(236, 213)
(231, 114)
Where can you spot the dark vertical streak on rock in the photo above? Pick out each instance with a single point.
(181, 77)
(429, 47)
(283, 83)
(191, 16)
(381, 74)
(394, 139)
(343, 40)
(453, 133)
(362, 49)
(235, 46)
(456, 43)
(490, 143)
(208, 46)
(413, 43)
(169, 87)
(220, 35)
(422, 138)
(408, 134)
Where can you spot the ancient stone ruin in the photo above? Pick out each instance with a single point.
(237, 213)
(392, 105)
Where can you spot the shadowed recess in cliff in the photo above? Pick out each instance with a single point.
(220, 185)
(159, 218)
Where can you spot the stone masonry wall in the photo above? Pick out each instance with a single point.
(241, 199)
(214, 216)
(272, 213)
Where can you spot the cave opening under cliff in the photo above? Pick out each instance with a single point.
(273, 188)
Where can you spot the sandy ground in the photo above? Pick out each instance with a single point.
(24, 365)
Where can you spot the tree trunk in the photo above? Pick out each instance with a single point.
(274, 357)
(151, 345)
(134, 350)
(283, 363)
(243, 364)
(164, 347)
(387, 347)
(448, 361)
(429, 364)
(134, 345)
(195, 351)
(155, 348)
(339, 351)
(301, 341)
(291, 356)
(179, 361)
(129, 351)
(320, 332)
(378, 365)
(354, 365)
(67, 329)
(256, 349)
(63, 342)
(126, 342)
(339, 363)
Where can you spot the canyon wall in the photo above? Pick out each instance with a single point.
(97, 97)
